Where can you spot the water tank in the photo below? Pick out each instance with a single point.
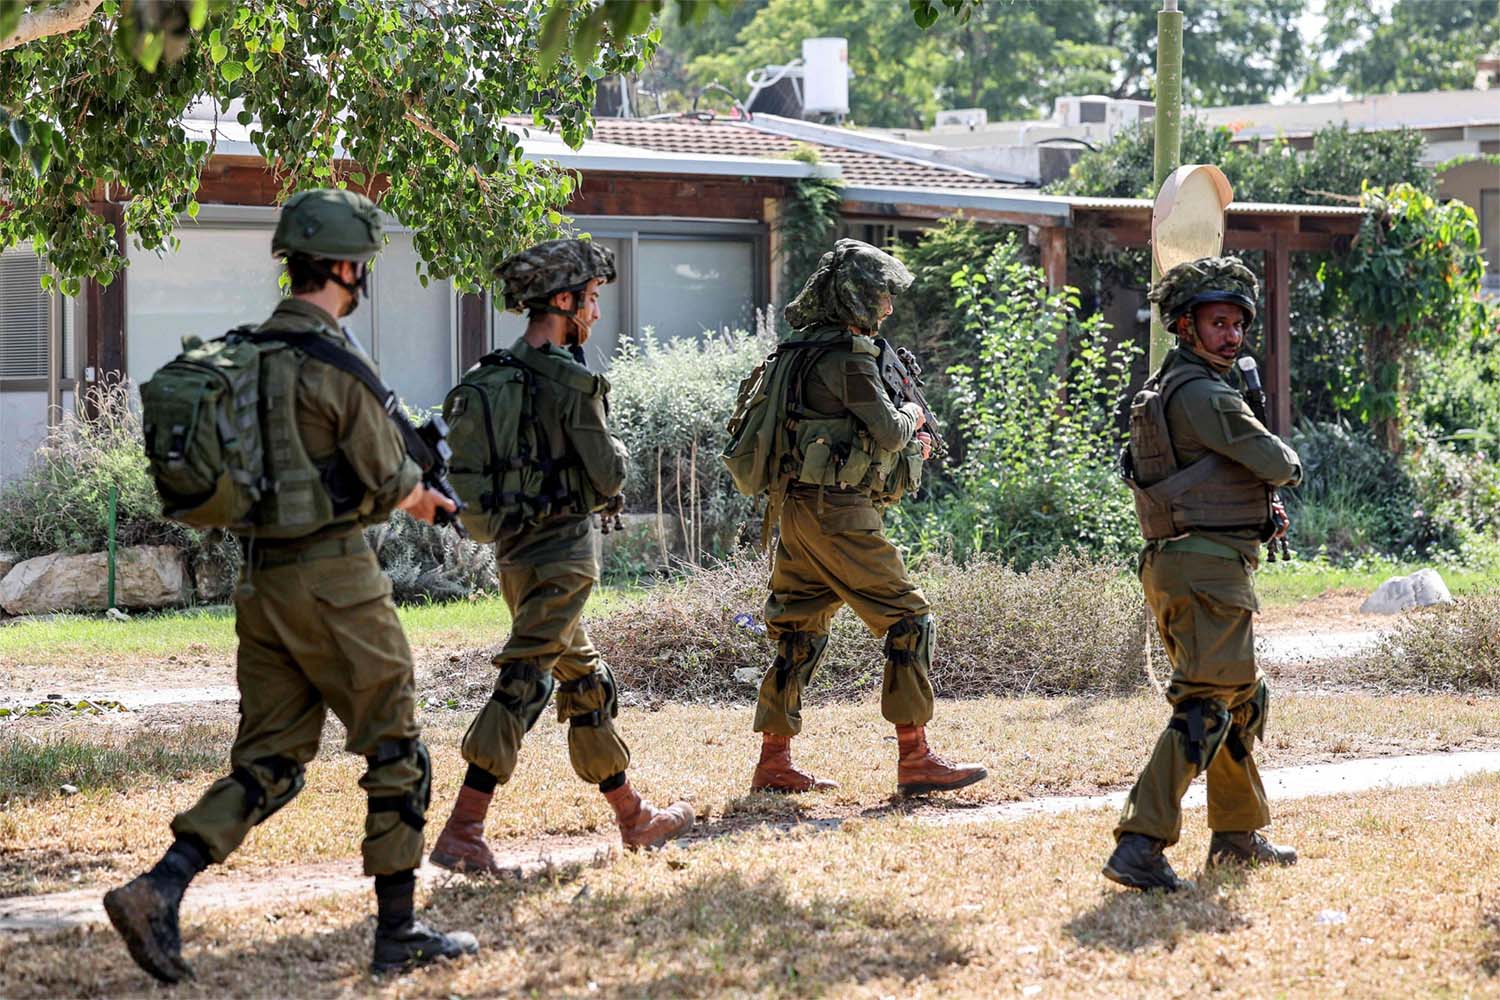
(825, 76)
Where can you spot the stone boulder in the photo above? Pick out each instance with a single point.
(1421, 589)
(146, 576)
(8, 562)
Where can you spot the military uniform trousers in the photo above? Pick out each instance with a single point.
(319, 632)
(832, 552)
(549, 647)
(1203, 605)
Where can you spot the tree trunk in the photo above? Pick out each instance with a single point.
(43, 22)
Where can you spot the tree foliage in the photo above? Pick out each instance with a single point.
(1415, 45)
(413, 102)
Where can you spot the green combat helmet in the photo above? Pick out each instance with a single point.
(330, 224)
(1208, 279)
(534, 275)
(846, 287)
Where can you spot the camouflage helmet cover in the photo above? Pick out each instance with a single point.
(534, 275)
(846, 287)
(329, 223)
(1207, 279)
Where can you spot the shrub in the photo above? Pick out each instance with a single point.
(430, 563)
(61, 502)
(1068, 626)
(1039, 410)
(669, 403)
(1453, 647)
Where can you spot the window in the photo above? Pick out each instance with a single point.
(680, 277)
(29, 316)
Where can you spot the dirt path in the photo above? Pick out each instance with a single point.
(58, 911)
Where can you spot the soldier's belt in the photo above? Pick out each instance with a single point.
(263, 556)
(1202, 546)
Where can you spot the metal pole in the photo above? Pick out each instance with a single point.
(1168, 144)
(114, 496)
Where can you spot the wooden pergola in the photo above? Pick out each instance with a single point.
(1055, 222)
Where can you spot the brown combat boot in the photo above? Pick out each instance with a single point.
(461, 847)
(1249, 848)
(919, 770)
(642, 824)
(776, 773)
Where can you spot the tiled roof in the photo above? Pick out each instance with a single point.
(692, 137)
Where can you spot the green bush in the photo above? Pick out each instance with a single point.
(1453, 647)
(1039, 410)
(61, 502)
(428, 563)
(669, 403)
(1068, 626)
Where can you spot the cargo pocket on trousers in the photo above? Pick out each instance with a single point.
(842, 520)
(1223, 629)
(356, 610)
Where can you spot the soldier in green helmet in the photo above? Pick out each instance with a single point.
(854, 450)
(316, 625)
(547, 564)
(1202, 469)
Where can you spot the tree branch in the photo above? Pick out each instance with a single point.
(43, 22)
(426, 126)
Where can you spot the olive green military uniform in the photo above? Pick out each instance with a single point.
(317, 630)
(833, 551)
(1199, 588)
(546, 574)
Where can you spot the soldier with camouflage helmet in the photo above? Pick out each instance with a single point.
(313, 614)
(548, 569)
(1202, 469)
(853, 451)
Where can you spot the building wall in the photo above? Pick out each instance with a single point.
(1477, 184)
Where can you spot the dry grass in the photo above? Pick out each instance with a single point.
(1453, 647)
(1068, 627)
(891, 908)
(1032, 746)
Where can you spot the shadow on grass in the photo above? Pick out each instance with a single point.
(1489, 945)
(31, 872)
(1127, 920)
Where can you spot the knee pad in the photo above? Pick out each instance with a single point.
(589, 700)
(909, 642)
(412, 806)
(798, 654)
(1247, 723)
(1204, 725)
(523, 690)
(269, 783)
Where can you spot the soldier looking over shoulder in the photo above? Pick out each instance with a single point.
(534, 458)
(852, 452)
(1202, 469)
(316, 625)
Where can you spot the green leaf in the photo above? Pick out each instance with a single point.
(10, 16)
(231, 71)
(20, 131)
(192, 209)
(554, 34)
(40, 155)
(218, 52)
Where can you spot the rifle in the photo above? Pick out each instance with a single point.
(902, 374)
(1255, 395)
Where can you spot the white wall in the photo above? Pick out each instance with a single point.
(23, 428)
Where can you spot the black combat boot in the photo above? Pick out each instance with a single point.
(403, 942)
(144, 910)
(1226, 848)
(1138, 863)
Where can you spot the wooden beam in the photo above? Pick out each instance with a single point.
(1278, 325)
(104, 325)
(1053, 241)
(473, 340)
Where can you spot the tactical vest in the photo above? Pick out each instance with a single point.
(1212, 494)
(223, 444)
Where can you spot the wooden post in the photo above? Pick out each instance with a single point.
(1278, 325)
(104, 328)
(1053, 241)
(472, 329)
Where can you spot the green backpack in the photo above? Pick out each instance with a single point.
(759, 428)
(203, 434)
(502, 466)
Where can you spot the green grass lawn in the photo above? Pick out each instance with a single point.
(1298, 580)
(209, 631)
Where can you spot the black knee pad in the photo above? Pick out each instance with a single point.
(523, 690)
(269, 783)
(1248, 722)
(573, 695)
(1204, 725)
(909, 642)
(413, 805)
(798, 653)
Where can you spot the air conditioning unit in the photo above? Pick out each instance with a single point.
(1124, 114)
(970, 118)
(1075, 111)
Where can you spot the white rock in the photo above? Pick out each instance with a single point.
(8, 561)
(748, 675)
(146, 576)
(1421, 589)
(69, 789)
